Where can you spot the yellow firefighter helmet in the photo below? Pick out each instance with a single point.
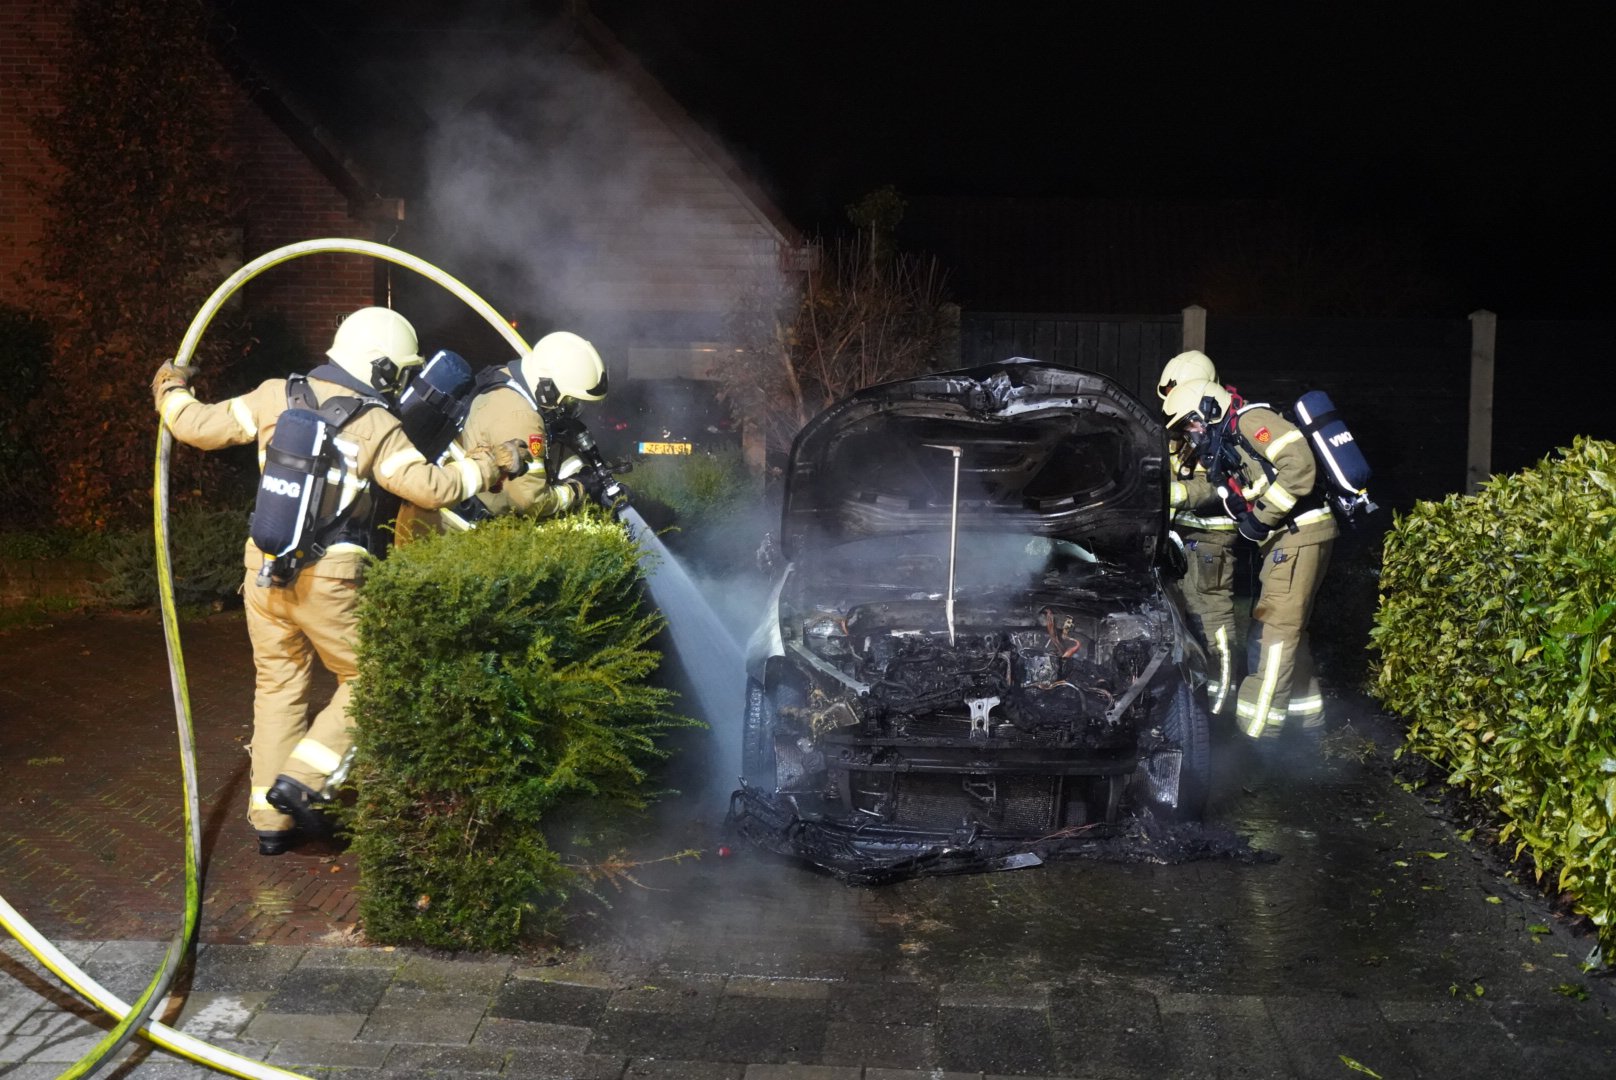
(1183, 368)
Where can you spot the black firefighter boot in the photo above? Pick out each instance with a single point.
(275, 841)
(299, 801)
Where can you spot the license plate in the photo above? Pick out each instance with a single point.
(664, 448)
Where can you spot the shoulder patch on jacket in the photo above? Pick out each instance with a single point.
(1262, 435)
(535, 444)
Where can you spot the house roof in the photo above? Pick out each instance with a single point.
(360, 91)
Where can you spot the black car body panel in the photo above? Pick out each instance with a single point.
(945, 678)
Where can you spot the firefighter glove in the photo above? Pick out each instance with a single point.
(1251, 528)
(1234, 503)
(512, 458)
(169, 377)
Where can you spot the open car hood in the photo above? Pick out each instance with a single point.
(1043, 450)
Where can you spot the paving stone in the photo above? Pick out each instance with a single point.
(563, 1065)
(378, 957)
(498, 1032)
(165, 1068)
(323, 990)
(452, 976)
(41, 1036)
(211, 1016)
(896, 1002)
(331, 1027)
(446, 1060)
(695, 995)
(324, 1052)
(578, 974)
(420, 1025)
(889, 1045)
(800, 1072)
(1105, 1029)
(409, 997)
(1230, 1045)
(971, 995)
(631, 1033)
(1562, 1038)
(1317, 1031)
(1480, 1047)
(243, 967)
(76, 950)
(114, 953)
(917, 1074)
(655, 1069)
(1249, 1006)
(73, 1044)
(125, 980)
(1003, 1030)
(550, 1002)
(795, 989)
(17, 1003)
(767, 1029)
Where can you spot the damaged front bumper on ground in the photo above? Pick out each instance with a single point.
(875, 854)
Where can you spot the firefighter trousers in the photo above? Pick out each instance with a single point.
(290, 626)
(1208, 589)
(1292, 570)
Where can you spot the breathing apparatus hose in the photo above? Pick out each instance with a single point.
(137, 1017)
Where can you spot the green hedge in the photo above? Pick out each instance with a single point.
(1495, 639)
(503, 679)
(697, 502)
(205, 547)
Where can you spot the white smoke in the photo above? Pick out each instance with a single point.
(552, 177)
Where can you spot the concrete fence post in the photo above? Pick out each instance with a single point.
(1483, 345)
(1193, 335)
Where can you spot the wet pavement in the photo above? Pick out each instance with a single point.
(1376, 943)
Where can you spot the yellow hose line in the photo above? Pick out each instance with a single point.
(20, 928)
(175, 1041)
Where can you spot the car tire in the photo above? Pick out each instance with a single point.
(1188, 725)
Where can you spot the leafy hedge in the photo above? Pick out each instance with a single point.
(1495, 641)
(700, 504)
(24, 354)
(502, 679)
(206, 548)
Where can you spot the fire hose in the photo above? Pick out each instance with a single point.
(137, 1017)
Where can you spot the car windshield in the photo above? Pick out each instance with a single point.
(989, 561)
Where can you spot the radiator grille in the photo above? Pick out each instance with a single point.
(1020, 804)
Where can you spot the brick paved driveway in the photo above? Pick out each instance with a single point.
(89, 768)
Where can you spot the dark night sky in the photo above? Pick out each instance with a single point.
(1480, 126)
(1475, 131)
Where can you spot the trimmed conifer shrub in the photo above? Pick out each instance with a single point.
(503, 676)
(1495, 641)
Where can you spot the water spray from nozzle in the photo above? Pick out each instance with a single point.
(953, 534)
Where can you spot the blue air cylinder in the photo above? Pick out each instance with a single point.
(289, 490)
(1345, 466)
(433, 406)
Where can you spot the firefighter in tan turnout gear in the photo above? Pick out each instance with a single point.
(1209, 537)
(302, 604)
(1261, 472)
(562, 366)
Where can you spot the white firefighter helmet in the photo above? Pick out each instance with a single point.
(1198, 399)
(569, 363)
(1183, 368)
(375, 345)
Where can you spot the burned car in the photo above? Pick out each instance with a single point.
(972, 654)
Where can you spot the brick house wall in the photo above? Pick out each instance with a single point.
(287, 194)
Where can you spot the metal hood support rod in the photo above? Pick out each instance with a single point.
(953, 535)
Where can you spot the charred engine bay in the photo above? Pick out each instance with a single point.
(1041, 672)
(902, 734)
